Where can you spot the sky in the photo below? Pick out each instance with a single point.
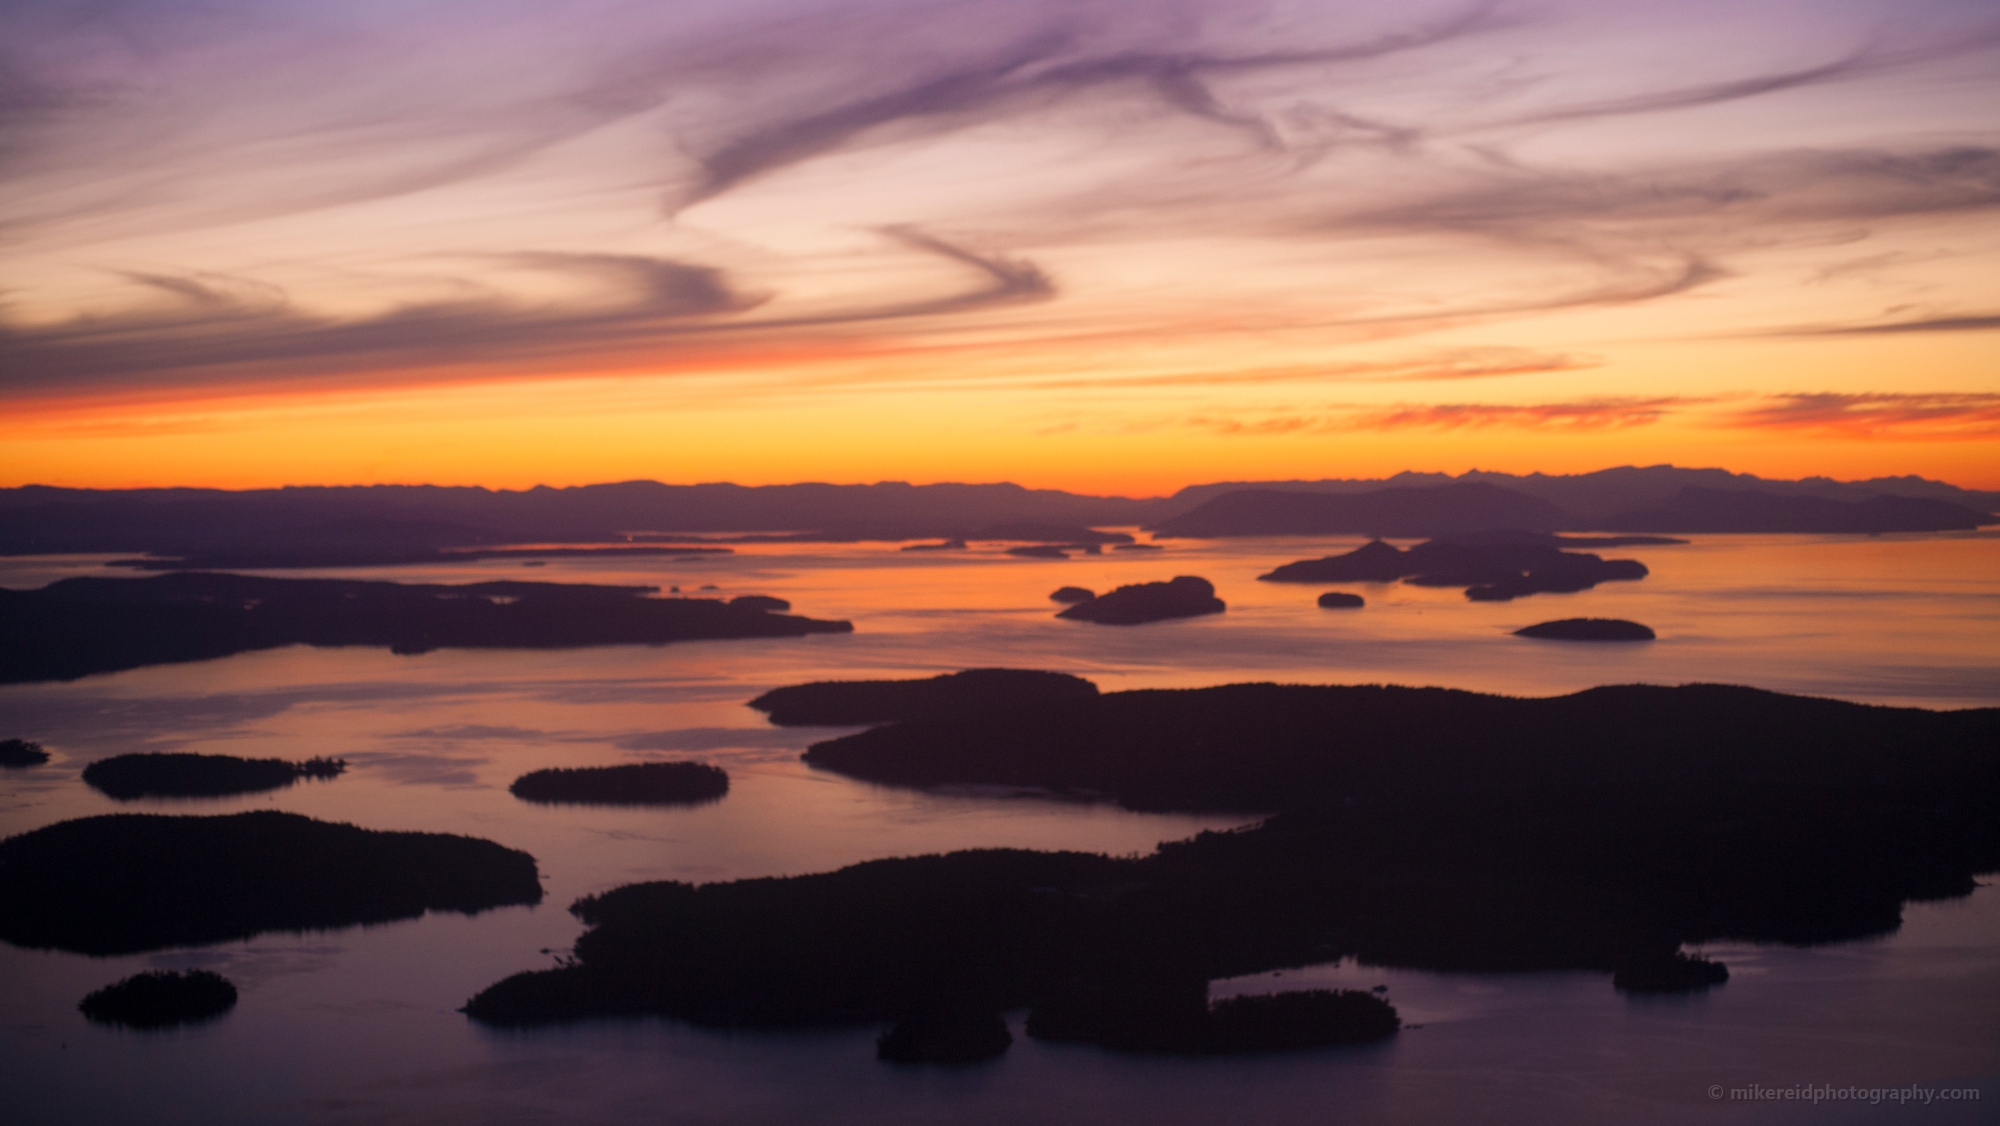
(1101, 245)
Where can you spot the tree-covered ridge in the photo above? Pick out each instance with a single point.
(180, 775)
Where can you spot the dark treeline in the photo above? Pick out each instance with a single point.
(126, 883)
(126, 777)
(1588, 629)
(161, 999)
(81, 626)
(840, 703)
(1185, 596)
(20, 752)
(1492, 569)
(649, 783)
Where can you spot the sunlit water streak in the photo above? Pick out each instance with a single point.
(359, 1025)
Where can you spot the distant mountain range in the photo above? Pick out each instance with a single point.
(387, 519)
(1460, 509)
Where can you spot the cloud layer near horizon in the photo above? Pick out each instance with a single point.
(1156, 200)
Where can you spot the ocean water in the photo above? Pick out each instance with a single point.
(359, 1025)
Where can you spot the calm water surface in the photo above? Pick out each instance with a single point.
(359, 1025)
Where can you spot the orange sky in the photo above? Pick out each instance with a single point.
(1081, 246)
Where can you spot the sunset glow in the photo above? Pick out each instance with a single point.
(1104, 246)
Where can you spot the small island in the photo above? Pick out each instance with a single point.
(1341, 600)
(20, 752)
(1588, 629)
(760, 602)
(1186, 596)
(127, 883)
(842, 703)
(1040, 551)
(161, 999)
(651, 783)
(1674, 973)
(947, 1036)
(1071, 594)
(127, 777)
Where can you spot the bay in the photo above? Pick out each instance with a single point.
(359, 1025)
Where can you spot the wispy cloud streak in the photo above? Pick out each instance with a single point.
(1902, 416)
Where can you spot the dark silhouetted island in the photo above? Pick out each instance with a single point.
(1186, 596)
(1588, 629)
(1491, 569)
(763, 602)
(1071, 535)
(20, 752)
(1341, 600)
(842, 703)
(1672, 973)
(1265, 746)
(1040, 551)
(161, 999)
(1430, 828)
(948, 1036)
(1071, 594)
(282, 558)
(81, 626)
(127, 777)
(126, 883)
(649, 783)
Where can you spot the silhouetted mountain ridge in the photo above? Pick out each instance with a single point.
(390, 518)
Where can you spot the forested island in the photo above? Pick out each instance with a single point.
(21, 752)
(1588, 629)
(81, 626)
(127, 883)
(842, 703)
(1185, 596)
(647, 783)
(1492, 569)
(161, 999)
(287, 557)
(126, 777)
(1416, 827)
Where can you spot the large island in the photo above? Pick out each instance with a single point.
(1415, 827)
(81, 626)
